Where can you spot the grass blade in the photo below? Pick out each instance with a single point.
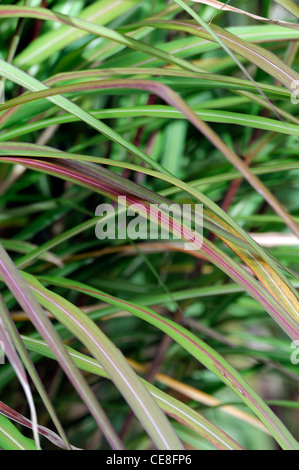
(198, 349)
(113, 362)
(225, 7)
(11, 438)
(18, 287)
(168, 404)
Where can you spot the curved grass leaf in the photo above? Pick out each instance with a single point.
(168, 404)
(172, 98)
(20, 347)
(11, 438)
(209, 30)
(158, 111)
(20, 77)
(102, 182)
(264, 59)
(18, 367)
(192, 46)
(197, 79)
(290, 6)
(175, 100)
(117, 368)
(20, 290)
(128, 52)
(148, 413)
(18, 418)
(100, 12)
(102, 31)
(268, 277)
(200, 350)
(25, 147)
(19, 246)
(225, 7)
(146, 409)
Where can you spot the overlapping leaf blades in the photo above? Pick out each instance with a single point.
(265, 281)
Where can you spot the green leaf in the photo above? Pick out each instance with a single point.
(167, 403)
(113, 362)
(290, 6)
(264, 59)
(200, 350)
(11, 438)
(100, 12)
(26, 299)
